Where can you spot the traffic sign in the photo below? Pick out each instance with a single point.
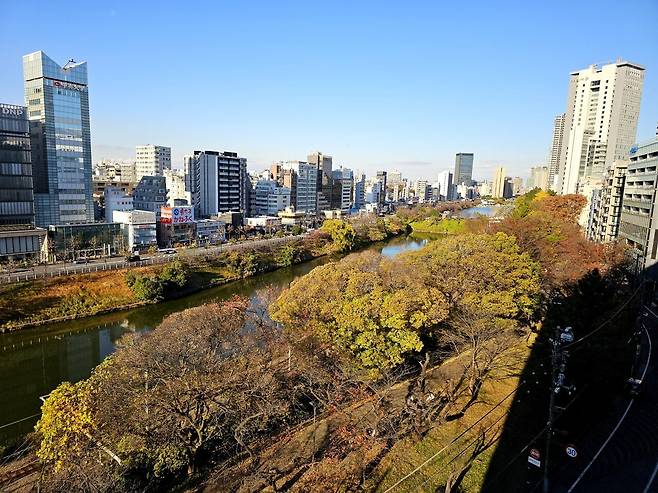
(571, 451)
(534, 461)
(533, 457)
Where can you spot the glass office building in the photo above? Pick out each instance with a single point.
(463, 168)
(16, 196)
(58, 109)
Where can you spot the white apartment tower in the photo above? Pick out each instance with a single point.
(600, 122)
(152, 160)
(556, 151)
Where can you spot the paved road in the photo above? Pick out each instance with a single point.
(621, 453)
(119, 263)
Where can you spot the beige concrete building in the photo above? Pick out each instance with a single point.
(600, 124)
(498, 185)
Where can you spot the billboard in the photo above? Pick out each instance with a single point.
(177, 215)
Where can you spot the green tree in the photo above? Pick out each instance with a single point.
(342, 234)
(65, 424)
(287, 255)
(360, 309)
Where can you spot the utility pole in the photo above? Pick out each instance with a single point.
(558, 367)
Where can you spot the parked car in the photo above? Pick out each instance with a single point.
(168, 251)
(81, 261)
(134, 257)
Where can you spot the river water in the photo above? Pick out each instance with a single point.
(34, 361)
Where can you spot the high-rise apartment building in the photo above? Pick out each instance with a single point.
(325, 184)
(539, 177)
(446, 186)
(463, 168)
(600, 122)
(152, 160)
(57, 102)
(498, 185)
(556, 151)
(218, 183)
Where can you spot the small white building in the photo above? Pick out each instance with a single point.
(116, 200)
(264, 221)
(139, 228)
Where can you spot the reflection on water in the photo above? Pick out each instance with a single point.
(35, 361)
(489, 210)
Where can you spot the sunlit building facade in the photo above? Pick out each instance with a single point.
(57, 102)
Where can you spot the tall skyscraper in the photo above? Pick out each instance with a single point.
(556, 151)
(218, 183)
(446, 186)
(498, 186)
(152, 160)
(463, 168)
(600, 122)
(57, 101)
(325, 184)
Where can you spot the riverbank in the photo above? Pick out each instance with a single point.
(43, 301)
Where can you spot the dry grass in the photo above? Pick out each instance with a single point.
(406, 455)
(62, 296)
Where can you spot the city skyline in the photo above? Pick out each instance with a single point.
(362, 111)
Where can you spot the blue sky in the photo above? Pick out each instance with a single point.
(378, 85)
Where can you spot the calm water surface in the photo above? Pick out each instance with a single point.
(34, 361)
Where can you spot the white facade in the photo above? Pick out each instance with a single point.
(116, 200)
(110, 170)
(421, 191)
(600, 123)
(264, 221)
(269, 198)
(373, 192)
(539, 177)
(304, 195)
(556, 151)
(176, 186)
(152, 160)
(139, 227)
(446, 187)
